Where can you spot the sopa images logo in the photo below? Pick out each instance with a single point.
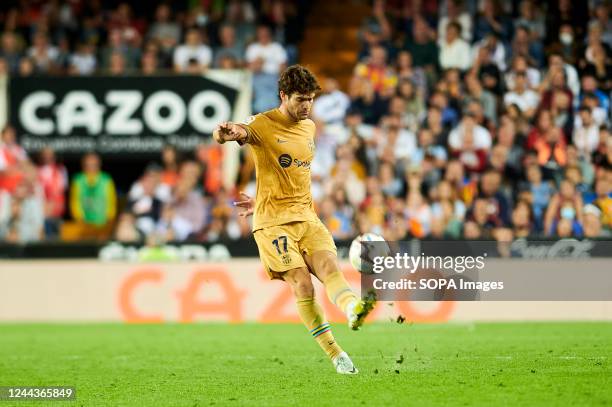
(285, 160)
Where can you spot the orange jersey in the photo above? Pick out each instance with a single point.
(283, 151)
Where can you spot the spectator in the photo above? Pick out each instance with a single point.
(13, 160)
(422, 46)
(556, 62)
(266, 59)
(165, 31)
(193, 52)
(229, 47)
(118, 46)
(83, 61)
(507, 137)
(418, 211)
(413, 104)
(42, 53)
(603, 200)
(526, 46)
(475, 92)
(601, 17)
(331, 106)
(22, 213)
(376, 71)
(454, 51)
(522, 221)
(149, 64)
(337, 222)
(592, 223)
(494, 48)
(390, 185)
(427, 149)
(491, 21)
(526, 99)
(531, 18)
(54, 182)
(498, 204)
(152, 178)
(586, 133)
(558, 98)
(590, 85)
(396, 144)
(455, 14)
(470, 142)
(266, 56)
(370, 105)
(566, 44)
(541, 192)
(26, 67)
(520, 64)
(117, 64)
(599, 66)
(129, 26)
(146, 206)
(448, 212)
(433, 122)
(376, 30)
(241, 15)
(449, 112)
(10, 51)
(564, 210)
(485, 223)
(92, 194)
(185, 215)
(549, 144)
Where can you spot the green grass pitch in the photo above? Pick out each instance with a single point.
(565, 364)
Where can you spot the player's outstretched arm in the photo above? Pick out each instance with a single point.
(228, 131)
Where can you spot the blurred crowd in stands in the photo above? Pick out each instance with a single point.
(477, 119)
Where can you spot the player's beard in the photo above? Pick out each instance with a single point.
(299, 114)
(302, 114)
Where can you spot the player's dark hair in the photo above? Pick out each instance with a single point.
(297, 79)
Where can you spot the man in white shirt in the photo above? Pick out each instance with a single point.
(526, 99)
(265, 55)
(265, 59)
(42, 53)
(331, 106)
(395, 140)
(469, 134)
(454, 51)
(455, 13)
(586, 132)
(193, 51)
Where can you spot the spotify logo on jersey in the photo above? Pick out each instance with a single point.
(285, 160)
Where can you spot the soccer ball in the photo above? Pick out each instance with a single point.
(361, 255)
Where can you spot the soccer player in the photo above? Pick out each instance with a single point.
(292, 241)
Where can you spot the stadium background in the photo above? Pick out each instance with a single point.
(496, 131)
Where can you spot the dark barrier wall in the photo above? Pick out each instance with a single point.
(521, 248)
